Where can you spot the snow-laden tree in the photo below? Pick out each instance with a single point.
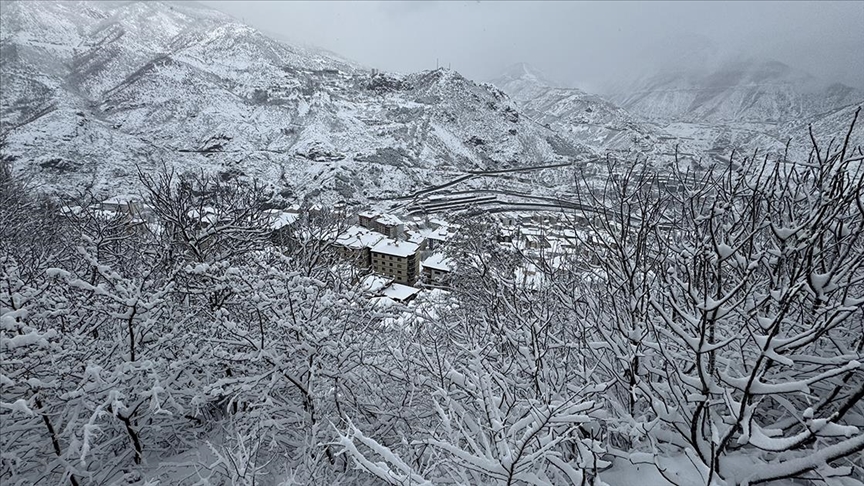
(133, 340)
(709, 323)
(729, 304)
(31, 241)
(493, 387)
(101, 378)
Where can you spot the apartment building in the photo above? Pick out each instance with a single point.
(386, 224)
(436, 269)
(355, 244)
(396, 259)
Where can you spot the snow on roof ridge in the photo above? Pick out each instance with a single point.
(397, 291)
(438, 262)
(388, 246)
(388, 219)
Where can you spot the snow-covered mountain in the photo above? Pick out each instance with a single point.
(743, 105)
(92, 89)
(523, 82)
(584, 118)
(743, 91)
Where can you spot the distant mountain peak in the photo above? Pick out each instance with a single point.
(523, 82)
(528, 73)
(744, 89)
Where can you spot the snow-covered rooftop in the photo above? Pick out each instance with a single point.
(402, 249)
(531, 231)
(439, 233)
(374, 284)
(357, 237)
(279, 219)
(437, 222)
(414, 236)
(400, 292)
(208, 217)
(388, 220)
(438, 262)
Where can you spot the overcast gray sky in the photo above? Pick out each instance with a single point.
(585, 44)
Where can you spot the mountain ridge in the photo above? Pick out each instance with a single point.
(585, 118)
(120, 85)
(749, 90)
(218, 95)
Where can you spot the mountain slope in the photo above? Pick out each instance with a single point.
(744, 91)
(144, 83)
(583, 118)
(523, 82)
(745, 105)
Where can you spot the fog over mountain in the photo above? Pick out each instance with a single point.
(93, 89)
(590, 45)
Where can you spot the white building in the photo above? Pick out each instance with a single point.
(397, 259)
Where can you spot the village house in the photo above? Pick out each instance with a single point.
(389, 225)
(505, 234)
(355, 243)
(400, 293)
(386, 224)
(383, 287)
(366, 218)
(130, 207)
(509, 219)
(436, 269)
(397, 259)
(131, 213)
(439, 236)
(533, 238)
(432, 232)
(203, 218)
(417, 238)
(280, 223)
(340, 209)
(278, 218)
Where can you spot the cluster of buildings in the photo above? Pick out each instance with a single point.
(403, 252)
(382, 246)
(132, 208)
(544, 232)
(391, 257)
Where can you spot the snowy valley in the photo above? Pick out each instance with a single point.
(228, 260)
